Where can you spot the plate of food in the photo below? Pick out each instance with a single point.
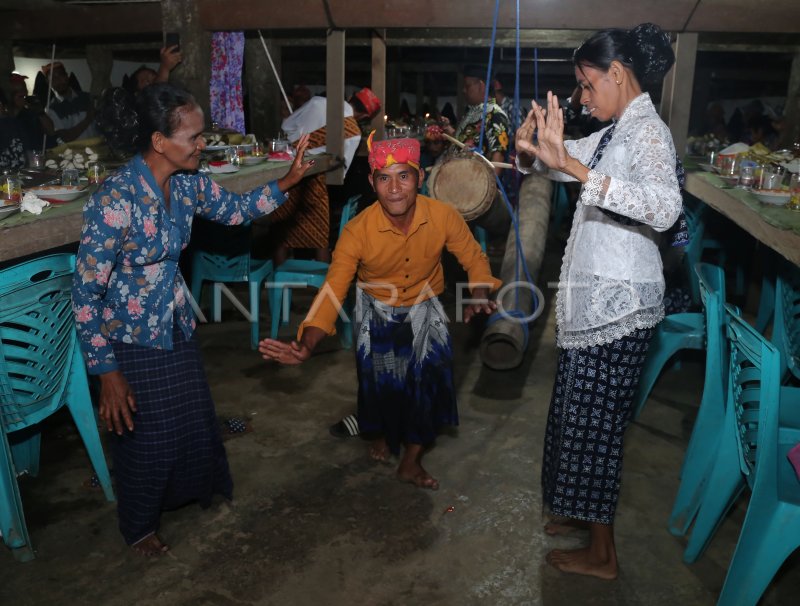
(777, 197)
(218, 147)
(709, 168)
(250, 160)
(8, 210)
(730, 180)
(221, 168)
(58, 193)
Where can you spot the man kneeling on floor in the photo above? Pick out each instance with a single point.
(403, 353)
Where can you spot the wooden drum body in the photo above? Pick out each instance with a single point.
(466, 182)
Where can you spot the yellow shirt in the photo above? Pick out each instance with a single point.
(396, 268)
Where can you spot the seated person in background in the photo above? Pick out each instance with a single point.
(27, 111)
(71, 113)
(144, 76)
(468, 131)
(304, 220)
(12, 152)
(404, 353)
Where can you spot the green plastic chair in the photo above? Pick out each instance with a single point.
(41, 370)
(707, 429)
(761, 425)
(232, 265)
(306, 273)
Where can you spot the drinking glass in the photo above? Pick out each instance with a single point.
(747, 176)
(258, 149)
(70, 176)
(34, 158)
(232, 155)
(95, 172)
(771, 177)
(10, 189)
(794, 189)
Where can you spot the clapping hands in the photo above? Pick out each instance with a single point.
(549, 124)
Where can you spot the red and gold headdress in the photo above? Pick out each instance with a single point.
(392, 151)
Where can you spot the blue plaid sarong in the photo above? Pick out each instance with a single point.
(404, 360)
(175, 454)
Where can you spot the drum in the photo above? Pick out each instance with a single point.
(466, 182)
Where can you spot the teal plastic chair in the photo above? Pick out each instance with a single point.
(786, 326)
(708, 425)
(306, 273)
(762, 423)
(233, 265)
(41, 370)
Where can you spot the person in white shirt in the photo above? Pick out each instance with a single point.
(611, 286)
(71, 113)
(305, 220)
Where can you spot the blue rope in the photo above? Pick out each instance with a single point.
(489, 74)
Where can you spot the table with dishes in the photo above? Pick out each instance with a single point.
(24, 233)
(765, 213)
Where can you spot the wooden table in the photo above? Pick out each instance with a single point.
(26, 234)
(761, 221)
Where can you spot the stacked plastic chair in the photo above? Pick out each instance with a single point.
(299, 272)
(708, 425)
(786, 326)
(41, 370)
(761, 425)
(234, 265)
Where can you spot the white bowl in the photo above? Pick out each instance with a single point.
(58, 193)
(772, 196)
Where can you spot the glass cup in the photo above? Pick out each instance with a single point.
(232, 155)
(258, 149)
(747, 176)
(712, 158)
(95, 172)
(34, 158)
(10, 189)
(730, 166)
(70, 176)
(771, 177)
(794, 189)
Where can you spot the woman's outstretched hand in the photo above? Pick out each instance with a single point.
(298, 169)
(549, 123)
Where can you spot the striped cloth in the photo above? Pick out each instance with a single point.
(404, 360)
(175, 454)
(303, 221)
(589, 411)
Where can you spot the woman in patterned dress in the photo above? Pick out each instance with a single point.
(135, 324)
(610, 293)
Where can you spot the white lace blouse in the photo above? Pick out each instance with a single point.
(612, 280)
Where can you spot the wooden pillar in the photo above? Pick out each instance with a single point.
(791, 130)
(393, 76)
(379, 79)
(7, 66)
(420, 94)
(264, 95)
(334, 84)
(100, 60)
(194, 73)
(676, 99)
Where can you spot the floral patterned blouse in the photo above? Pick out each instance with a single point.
(495, 137)
(127, 285)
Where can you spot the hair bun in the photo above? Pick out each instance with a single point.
(651, 52)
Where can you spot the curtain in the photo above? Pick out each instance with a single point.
(227, 54)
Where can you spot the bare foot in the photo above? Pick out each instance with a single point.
(150, 546)
(560, 525)
(379, 450)
(415, 474)
(584, 561)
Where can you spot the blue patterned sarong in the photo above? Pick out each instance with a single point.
(174, 455)
(589, 412)
(404, 359)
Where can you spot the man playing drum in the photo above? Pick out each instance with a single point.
(404, 353)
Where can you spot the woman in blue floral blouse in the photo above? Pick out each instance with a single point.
(135, 323)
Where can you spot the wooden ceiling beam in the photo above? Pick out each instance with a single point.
(80, 21)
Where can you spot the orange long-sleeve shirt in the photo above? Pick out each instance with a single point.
(396, 268)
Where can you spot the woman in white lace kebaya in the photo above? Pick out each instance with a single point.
(611, 285)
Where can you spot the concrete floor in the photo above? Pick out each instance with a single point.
(315, 522)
